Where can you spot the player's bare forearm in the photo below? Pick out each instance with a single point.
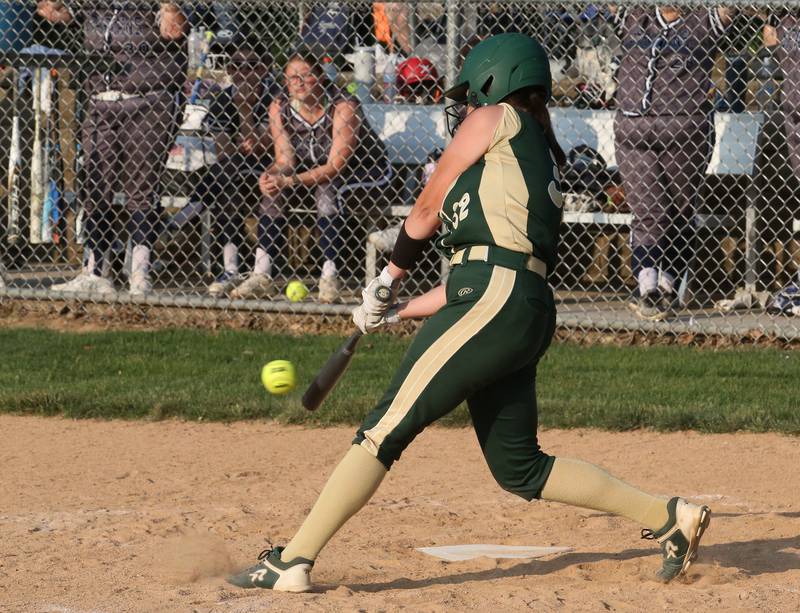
(321, 174)
(54, 12)
(770, 36)
(423, 306)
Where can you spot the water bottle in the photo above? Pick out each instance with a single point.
(195, 47)
(329, 68)
(389, 80)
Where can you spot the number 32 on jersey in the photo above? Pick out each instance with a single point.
(460, 210)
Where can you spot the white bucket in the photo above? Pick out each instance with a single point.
(193, 116)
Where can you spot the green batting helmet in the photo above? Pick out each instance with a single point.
(500, 65)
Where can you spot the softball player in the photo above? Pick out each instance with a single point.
(787, 30)
(496, 190)
(782, 37)
(128, 125)
(664, 133)
(321, 144)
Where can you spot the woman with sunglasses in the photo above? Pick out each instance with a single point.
(321, 143)
(496, 192)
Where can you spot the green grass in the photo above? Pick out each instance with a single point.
(215, 376)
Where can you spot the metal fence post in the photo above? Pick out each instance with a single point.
(451, 10)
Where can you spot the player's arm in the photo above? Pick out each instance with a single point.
(173, 24)
(423, 306)
(282, 146)
(770, 36)
(283, 152)
(471, 141)
(417, 308)
(54, 12)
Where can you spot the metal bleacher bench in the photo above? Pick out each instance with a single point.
(411, 133)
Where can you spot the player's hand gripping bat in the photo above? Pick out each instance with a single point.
(330, 373)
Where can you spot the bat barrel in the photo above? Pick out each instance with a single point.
(313, 397)
(330, 374)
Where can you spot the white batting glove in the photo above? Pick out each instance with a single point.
(379, 294)
(368, 325)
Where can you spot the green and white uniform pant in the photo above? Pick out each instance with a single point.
(482, 347)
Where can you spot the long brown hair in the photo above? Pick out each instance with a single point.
(532, 100)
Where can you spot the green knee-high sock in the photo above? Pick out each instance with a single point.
(350, 486)
(585, 485)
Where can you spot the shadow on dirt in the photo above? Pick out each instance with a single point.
(755, 557)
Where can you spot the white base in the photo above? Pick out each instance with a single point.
(458, 553)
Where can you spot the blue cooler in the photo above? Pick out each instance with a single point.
(15, 25)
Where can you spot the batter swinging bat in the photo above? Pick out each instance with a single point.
(330, 373)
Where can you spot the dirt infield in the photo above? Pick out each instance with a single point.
(124, 516)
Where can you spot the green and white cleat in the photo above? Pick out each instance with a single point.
(680, 536)
(272, 573)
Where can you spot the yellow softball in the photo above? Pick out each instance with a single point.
(278, 377)
(296, 291)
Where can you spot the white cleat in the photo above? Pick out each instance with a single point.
(257, 285)
(329, 288)
(224, 284)
(87, 283)
(140, 285)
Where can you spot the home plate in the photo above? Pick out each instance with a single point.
(457, 553)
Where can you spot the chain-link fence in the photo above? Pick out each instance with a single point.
(207, 154)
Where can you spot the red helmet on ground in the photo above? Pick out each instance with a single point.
(418, 81)
(416, 70)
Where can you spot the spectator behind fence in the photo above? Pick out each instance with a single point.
(128, 125)
(238, 117)
(337, 27)
(782, 38)
(321, 144)
(429, 34)
(596, 58)
(664, 134)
